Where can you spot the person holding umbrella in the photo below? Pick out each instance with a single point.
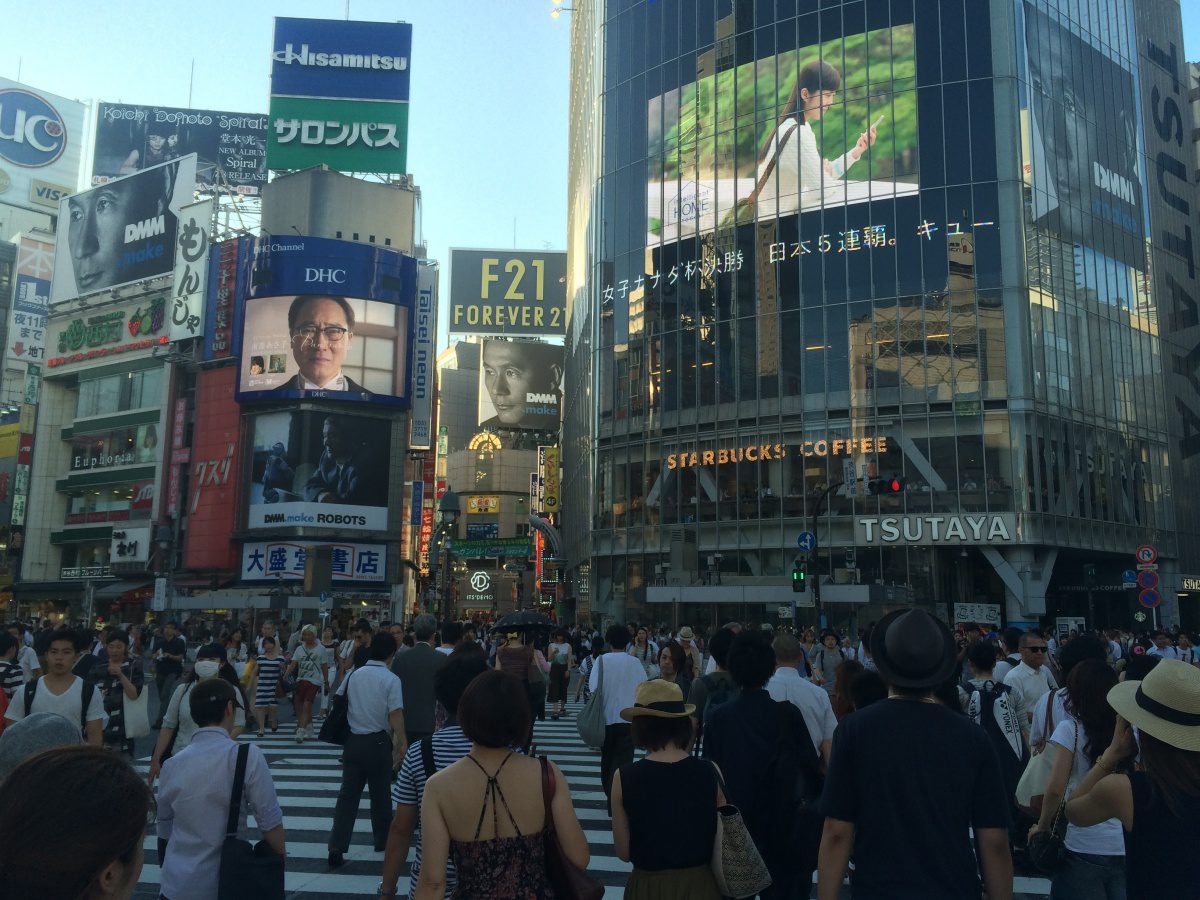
(528, 665)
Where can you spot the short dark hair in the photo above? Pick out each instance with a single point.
(751, 660)
(116, 634)
(1075, 651)
(67, 634)
(1012, 638)
(300, 302)
(616, 637)
(866, 688)
(362, 656)
(652, 733)
(208, 699)
(719, 644)
(267, 639)
(982, 656)
(452, 632)
(452, 679)
(363, 625)
(494, 710)
(1140, 665)
(7, 642)
(383, 645)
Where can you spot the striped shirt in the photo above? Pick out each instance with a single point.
(12, 676)
(449, 746)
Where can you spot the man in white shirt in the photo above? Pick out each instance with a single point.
(622, 674)
(452, 633)
(62, 692)
(1162, 646)
(375, 711)
(1032, 678)
(1010, 656)
(813, 703)
(194, 796)
(711, 666)
(26, 656)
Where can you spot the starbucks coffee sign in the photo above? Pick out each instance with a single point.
(945, 529)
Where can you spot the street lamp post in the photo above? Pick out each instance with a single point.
(450, 509)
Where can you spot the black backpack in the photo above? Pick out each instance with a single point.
(720, 692)
(990, 708)
(792, 788)
(87, 692)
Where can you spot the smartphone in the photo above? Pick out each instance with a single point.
(875, 124)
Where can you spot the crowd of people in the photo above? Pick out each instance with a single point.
(920, 761)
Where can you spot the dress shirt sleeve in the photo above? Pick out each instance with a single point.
(260, 791)
(828, 724)
(166, 802)
(594, 678)
(395, 695)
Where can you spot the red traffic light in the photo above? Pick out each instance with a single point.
(886, 486)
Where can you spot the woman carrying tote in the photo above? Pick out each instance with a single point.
(671, 853)
(1156, 804)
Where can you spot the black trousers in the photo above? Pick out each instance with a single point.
(366, 760)
(617, 751)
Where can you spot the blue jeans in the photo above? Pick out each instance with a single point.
(1086, 876)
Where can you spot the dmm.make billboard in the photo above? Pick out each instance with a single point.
(329, 320)
(339, 95)
(41, 141)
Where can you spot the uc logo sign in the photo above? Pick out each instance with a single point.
(32, 133)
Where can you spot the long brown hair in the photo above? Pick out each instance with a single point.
(1173, 773)
(1087, 700)
(86, 800)
(816, 77)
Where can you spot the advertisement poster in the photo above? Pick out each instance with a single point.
(320, 470)
(272, 560)
(521, 293)
(520, 386)
(123, 231)
(228, 275)
(214, 473)
(420, 434)
(230, 148)
(29, 315)
(191, 270)
(41, 146)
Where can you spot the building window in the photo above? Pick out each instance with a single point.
(119, 393)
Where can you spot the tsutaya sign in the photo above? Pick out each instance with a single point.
(947, 529)
(768, 452)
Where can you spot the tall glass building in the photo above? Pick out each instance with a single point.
(815, 245)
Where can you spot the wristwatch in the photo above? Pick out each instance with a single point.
(385, 891)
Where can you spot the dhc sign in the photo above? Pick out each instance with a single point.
(947, 529)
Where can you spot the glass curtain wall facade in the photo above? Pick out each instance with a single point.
(814, 244)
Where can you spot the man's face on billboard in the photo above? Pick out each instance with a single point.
(335, 438)
(97, 232)
(320, 339)
(511, 371)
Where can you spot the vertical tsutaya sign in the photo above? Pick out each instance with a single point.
(420, 434)
(191, 269)
(1175, 227)
(339, 95)
(27, 319)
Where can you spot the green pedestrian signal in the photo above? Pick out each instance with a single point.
(799, 578)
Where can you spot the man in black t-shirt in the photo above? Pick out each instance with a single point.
(908, 780)
(168, 666)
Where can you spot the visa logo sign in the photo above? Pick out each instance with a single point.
(43, 193)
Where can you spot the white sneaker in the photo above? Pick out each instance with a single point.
(299, 735)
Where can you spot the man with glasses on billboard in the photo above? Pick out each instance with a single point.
(1031, 678)
(321, 329)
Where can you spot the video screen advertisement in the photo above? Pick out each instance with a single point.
(520, 386)
(319, 469)
(121, 232)
(230, 148)
(329, 320)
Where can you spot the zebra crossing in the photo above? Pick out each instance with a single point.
(307, 777)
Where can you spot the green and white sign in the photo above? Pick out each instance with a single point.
(346, 135)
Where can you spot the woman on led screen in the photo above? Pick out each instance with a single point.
(790, 165)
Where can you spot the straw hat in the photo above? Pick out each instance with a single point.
(1165, 704)
(662, 699)
(686, 634)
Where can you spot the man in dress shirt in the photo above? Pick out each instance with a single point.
(194, 794)
(375, 711)
(622, 674)
(416, 669)
(321, 329)
(812, 701)
(1032, 677)
(1162, 646)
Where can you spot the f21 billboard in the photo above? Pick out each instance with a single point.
(319, 470)
(230, 148)
(520, 386)
(123, 231)
(330, 320)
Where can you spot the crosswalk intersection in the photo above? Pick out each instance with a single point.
(307, 777)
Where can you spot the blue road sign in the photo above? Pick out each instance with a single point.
(1129, 577)
(1147, 579)
(807, 541)
(1149, 599)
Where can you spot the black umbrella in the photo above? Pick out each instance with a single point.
(521, 620)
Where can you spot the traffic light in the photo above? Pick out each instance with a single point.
(799, 577)
(882, 486)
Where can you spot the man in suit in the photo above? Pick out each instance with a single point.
(321, 329)
(346, 472)
(416, 669)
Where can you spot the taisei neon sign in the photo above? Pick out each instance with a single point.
(766, 452)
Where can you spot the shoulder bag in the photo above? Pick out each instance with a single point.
(135, 713)
(1045, 847)
(736, 864)
(248, 871)
(568, 880)
(535, 675)
(1032, 786)
(336, 727)
(591, 721)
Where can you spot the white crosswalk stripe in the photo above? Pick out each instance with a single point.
(307, 777)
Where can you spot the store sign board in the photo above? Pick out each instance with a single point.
(768, 451)
(82, 339)
(937, 530)
(269, 560)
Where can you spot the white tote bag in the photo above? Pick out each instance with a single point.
(136, 714)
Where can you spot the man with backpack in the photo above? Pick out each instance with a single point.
(826, 662)
(62, 692)
(813, 703)
(1010, 658)
(712, 691)
(771, 769)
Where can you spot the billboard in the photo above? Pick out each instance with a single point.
(1082, 142)
(41, 141)
(214, 473)
(826, 125)
(352, 562)
(520, 386)
(420, 431)
(122, 231)
(29, 313)
(320, 470)
(230, 148)
(328, 319)
(191, 270)
(89, 335)
(339, 95)
(228, 279)
(520, 293)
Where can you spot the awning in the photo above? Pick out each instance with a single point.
(117, 588)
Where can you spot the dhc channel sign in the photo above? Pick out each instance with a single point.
(32, 132)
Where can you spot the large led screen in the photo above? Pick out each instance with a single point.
(828, 124)
(520, 386)
(319, 470)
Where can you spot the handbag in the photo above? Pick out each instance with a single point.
(535, 675)
(136, 714)
(736, 864)
(336, 727)
(568, 880)
(1045, 847)
(591, 721)
(247, 871)
(1032, 786)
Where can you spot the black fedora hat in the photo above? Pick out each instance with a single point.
(912, 649)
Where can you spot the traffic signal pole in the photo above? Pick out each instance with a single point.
(816, 581)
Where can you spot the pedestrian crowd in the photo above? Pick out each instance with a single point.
(916, 761)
